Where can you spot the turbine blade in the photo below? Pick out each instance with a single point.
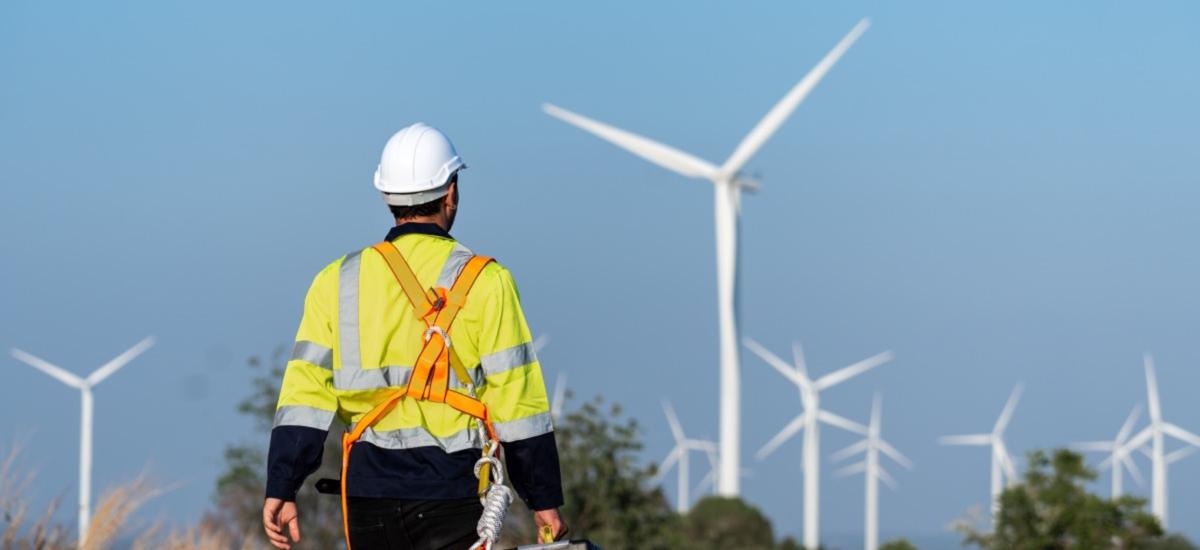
(845, 373)
(1139, 439)
(560, 394)
(973, 439)
(798, 358)
(1179, 454)
(849, 451)
(653, 151)
(1134, 471)
(119, 361)
(778, 364)
(840, 422)
(1127, 427)
(540, 342)
(891, 451)
(1094, 446)
(1181, 434)
(856, 468)
(673, 421)
(700, 445)
(705, 483)
(1106, 463)
(786, 433)
(782, 110)
(1009, 408)
(1152, 389)
(667, 463)
(887, 479)
(57, 373)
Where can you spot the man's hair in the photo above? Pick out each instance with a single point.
(426, 209)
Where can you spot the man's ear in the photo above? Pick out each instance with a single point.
(452, 194)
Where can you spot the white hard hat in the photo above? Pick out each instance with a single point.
(416, 166)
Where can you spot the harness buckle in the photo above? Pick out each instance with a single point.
(429, 332)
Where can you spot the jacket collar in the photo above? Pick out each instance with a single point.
(420, 228)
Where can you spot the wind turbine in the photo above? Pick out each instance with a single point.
(810, 399)
(678, 457)
(728, 182)
(1156, 432)
(1118, 458)
(872, 470)
(85, 385)
(560, 381)
(1002, 462)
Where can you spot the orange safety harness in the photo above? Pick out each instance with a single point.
(430, 378)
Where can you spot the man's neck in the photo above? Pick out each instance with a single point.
(437, 220)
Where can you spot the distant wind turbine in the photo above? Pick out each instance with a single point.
(1156, 433)
(1118, 457)
(678, 457)
(809, 421)
(560, 381)
(85, 385)
(872, 470)
(728, 182)
(1002, 462)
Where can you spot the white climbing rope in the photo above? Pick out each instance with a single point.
(495, 501)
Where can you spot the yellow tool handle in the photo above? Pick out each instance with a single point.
(546, 536)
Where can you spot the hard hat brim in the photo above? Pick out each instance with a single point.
(422, 197)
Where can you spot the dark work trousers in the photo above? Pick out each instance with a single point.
(386, 524)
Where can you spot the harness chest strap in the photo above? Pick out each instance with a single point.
(430, 376)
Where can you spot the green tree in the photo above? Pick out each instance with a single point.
(608, 495)
(1051, 509)
(717, 523)
(898, 544)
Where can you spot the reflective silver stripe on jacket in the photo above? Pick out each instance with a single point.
(459, 256)
(524, 428)
(369, 379)
(313, 353)
(301, 415)
(348, 340)
(506, 359)
(408, 438)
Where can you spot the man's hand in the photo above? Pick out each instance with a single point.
(551, 520)
(276, 515)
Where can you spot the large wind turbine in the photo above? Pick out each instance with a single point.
(810, 399)
(872, 470)
(678, 457)
(85, 385)
(728, 182)
(1156, 432)
(1118, 453)
(1002, 462)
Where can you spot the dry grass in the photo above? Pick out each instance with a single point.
(110, 519)
(42, 534)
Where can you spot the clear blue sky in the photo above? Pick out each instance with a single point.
(997, 192)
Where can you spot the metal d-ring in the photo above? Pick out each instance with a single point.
(429, 332)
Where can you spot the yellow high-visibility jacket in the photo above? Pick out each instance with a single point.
(358, 339)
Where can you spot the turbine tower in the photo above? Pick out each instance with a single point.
(810, 399)
(728, 182)
(678, 457)
(1156, 433)
(872, 470)
(1118, 458)
(1002, 462)
(85, 385)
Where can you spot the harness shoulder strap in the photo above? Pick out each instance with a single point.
(428, 381)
